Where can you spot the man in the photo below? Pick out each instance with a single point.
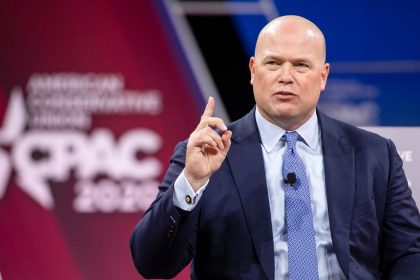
(285, 192)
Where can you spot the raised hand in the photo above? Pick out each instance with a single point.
(206, 149)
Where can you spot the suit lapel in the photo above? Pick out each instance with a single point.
(339, 168)
(247, 164)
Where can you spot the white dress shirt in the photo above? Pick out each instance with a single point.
(273, 149)
(310, 150)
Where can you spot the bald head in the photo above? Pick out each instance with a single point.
(297, 26)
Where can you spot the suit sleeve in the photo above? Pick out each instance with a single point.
(401, 228)
(163, 242)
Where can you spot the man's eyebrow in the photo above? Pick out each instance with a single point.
(272, 57)
(302, 59)
(292, 60)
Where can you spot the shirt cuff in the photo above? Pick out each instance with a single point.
(184, 195)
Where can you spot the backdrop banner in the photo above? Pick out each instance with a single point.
(93, 99)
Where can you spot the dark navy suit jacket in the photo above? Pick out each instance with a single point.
(375, 224)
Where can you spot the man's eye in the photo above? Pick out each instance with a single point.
(302, 67)
(272, 64)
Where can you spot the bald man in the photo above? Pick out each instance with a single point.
(225, 200)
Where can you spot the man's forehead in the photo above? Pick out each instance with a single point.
(309, 53)
(304, 32)
(289, 43)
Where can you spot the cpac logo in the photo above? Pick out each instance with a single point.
(41, 156)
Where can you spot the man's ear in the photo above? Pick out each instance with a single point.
(251, 69)
(324, 75)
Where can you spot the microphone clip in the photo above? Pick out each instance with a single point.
(291, 179)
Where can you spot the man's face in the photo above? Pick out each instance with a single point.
(288, 74)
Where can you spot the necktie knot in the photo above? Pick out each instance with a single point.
(291, 138)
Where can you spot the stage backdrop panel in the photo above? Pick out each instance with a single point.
(93, 98)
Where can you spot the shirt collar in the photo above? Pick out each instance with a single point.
(270, 133)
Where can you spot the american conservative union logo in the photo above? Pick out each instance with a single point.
(49, 136)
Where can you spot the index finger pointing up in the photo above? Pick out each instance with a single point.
(208, 111)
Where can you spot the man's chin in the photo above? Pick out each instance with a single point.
(286, 111)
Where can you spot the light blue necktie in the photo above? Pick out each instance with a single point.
(303, 264)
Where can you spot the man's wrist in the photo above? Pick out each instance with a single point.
(195, 183)
(185, 197)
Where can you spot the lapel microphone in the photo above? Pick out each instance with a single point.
(291, 178)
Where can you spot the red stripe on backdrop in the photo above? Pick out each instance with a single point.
(124, 38)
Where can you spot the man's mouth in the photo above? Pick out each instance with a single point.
(284, 93)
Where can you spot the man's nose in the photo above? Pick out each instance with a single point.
(285, 73)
